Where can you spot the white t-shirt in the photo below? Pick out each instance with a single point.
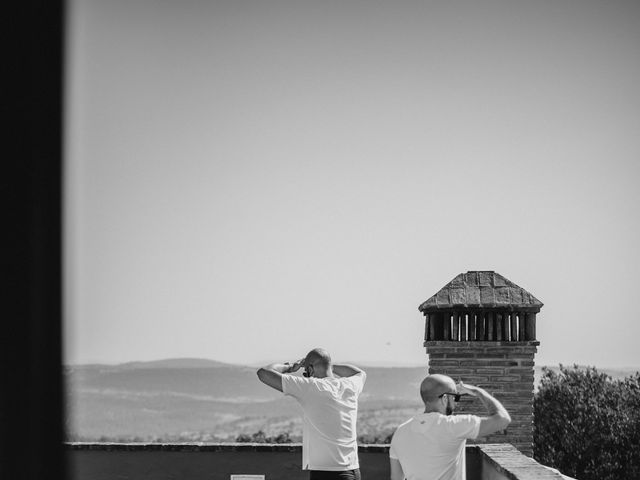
(430, 446)
(330, 407)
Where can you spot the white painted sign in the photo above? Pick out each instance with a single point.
(247, 477)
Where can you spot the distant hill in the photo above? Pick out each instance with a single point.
(206, 400)
(165, 363)
(177, 363)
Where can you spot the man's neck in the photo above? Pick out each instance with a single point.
(329, 374)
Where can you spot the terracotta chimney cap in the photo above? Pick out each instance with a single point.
(481, 289)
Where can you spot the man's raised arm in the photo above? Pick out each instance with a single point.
(345, 370)
(499, 418)
(272, 374)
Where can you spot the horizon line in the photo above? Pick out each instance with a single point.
(370, 363)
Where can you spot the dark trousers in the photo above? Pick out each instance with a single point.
(327, 475)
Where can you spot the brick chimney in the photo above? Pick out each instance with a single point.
(481, 328)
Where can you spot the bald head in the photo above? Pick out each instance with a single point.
(435, 385)
(318, 356)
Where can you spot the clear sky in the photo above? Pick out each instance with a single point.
(246, 180)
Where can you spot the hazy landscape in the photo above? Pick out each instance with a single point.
(205, 400)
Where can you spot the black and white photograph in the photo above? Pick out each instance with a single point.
(356, 240)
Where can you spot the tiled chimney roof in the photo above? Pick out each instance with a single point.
(481, 289)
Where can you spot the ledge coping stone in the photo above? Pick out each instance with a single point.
(204, 447)
(506, 459)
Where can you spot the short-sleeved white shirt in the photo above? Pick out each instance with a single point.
(430, 446)
(330, 407)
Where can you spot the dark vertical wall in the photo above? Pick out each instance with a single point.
(278, 462)
(30, 350)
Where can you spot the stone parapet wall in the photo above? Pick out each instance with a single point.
(504, 369)
(210, 461)
(215, 461)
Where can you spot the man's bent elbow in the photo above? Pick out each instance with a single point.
(505, 421)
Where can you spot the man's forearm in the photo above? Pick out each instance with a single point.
(344, 370)
(493, 406)
(279, 367)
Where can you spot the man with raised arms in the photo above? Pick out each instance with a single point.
(328, 394)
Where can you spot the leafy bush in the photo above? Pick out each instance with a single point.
(261, 437)
(184, 437)
(285, 437)
(587, 425)
(375, 439)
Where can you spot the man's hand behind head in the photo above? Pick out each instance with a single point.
(297, 365)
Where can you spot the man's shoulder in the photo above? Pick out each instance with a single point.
(463, 426)
(405, 426)
(433, 420)
(461, 418)
(336, 382)
(439, 420)
(290, 382)
(356, 377)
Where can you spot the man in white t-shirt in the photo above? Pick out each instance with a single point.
(328, 394)
(431, 446)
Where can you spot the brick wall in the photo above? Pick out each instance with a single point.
(504, 369)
